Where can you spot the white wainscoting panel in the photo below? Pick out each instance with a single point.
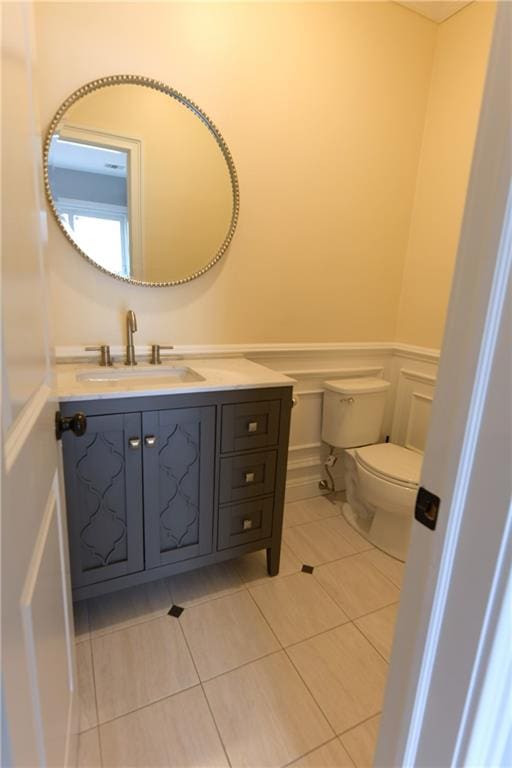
(418, 422)
(413, 402)
(47, 636)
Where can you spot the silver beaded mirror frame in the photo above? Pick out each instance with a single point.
(234, 197)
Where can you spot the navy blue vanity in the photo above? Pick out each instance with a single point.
(161, 484)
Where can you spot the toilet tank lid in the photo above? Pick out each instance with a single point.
(393, 461)
(357, 386)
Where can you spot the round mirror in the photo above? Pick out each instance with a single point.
(140, 180)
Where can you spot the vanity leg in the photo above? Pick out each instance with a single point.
(273, 558)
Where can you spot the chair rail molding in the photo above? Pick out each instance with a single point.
(411, 370)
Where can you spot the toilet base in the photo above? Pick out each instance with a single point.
(368, 530)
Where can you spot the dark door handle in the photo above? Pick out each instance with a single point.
(76, 423)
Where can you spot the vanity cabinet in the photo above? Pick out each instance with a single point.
(163, 484)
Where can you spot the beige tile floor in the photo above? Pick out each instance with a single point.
(256, 672)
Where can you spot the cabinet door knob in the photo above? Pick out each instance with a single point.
(247, 525)
(150, 440)
(134, 442)
(249, 477)
(76, 423)
(252, 426)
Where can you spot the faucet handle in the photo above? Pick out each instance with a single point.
(155, 352)
(104, 350)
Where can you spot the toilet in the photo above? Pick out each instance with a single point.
(381, 479)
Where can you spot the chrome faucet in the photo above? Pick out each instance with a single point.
(131, 327)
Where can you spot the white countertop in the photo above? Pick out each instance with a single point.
(217, 373)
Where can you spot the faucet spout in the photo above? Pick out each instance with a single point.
(131, 327)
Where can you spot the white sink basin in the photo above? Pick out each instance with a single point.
(140, 374)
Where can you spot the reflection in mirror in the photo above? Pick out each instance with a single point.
(141, 181)
(90, 189)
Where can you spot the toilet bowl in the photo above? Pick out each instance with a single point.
(382, 484)
(381, 479)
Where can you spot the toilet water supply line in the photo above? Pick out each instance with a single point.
(328, 464)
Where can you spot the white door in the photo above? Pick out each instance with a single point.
(445, 704)
(37, 638)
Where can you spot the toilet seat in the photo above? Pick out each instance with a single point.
(392, 463)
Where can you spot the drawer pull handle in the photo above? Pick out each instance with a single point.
(249, 477)
(247, 525)
(150, 440)
(252, 426)
(134, 442)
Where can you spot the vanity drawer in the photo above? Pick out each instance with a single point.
(246, 522)
(242, 477)
(249, 425)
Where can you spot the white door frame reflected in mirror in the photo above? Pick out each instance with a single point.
(132, 148)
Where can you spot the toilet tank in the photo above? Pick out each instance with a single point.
(353, 411)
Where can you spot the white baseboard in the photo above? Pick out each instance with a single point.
(305, 488)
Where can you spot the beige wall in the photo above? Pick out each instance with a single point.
(322, 106)
(450, 129)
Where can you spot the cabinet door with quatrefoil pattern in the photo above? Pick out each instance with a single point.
(178, 462)
(103, 472)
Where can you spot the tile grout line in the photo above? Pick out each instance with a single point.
(131, 625)
(96, 634)
(311, 637)
(266, 620)
(340, 736)
(310, 693)
(310, 752)
(371, 643)
(200, 685)
(353, 727)
(245, 664)
(274, 578)
(307, 639)
(320, 746)
(205, 696)
(337, 559)
(302, 679)
(317, 634)
(273, 653)
(352, 618)
(336, 600)
(398, 586)
(375, 610)
(100, 747)
(149, 704)
(283, 647)
(336, 734)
